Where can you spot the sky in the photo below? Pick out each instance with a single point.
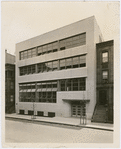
(24, 20)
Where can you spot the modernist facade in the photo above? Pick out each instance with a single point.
(57, 71)
(9, 83)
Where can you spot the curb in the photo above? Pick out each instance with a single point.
(55, 123)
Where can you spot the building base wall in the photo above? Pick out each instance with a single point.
(63, 107)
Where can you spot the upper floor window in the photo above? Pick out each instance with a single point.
(105, 57)
(105, 76)
(67, 63)
(12, 85)
(62, 44)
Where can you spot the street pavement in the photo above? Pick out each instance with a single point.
(61, 120)
(22, 132)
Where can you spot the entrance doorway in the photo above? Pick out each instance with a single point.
(76, 110)
(102, 97)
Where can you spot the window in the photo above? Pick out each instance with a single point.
(29, 69)
(105, 75)
(34, 52)
(12, 85)
(25, 70)
(69, 84)
(11, 98)
(82, 84)
(69, 42)
(33, 69)
(75, 62)
(25, 54)
(76, 40)
(62, 64)
(49, 66)
(63, 85)
(55, 65)
(50, 48)
(68, 63)
(47, 91)
(73, 41)
(105, 57)
(62, 45)
(29, 53)
(75, 84)
(82, 61)
(44, 49)
(55, 46)
(27, 92)
(39, 51)
(21, 55)
(40, 68)
(78, 84)
(45, 67)
(66, 43)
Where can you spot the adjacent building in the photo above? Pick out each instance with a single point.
(57, 71)
(105, 82)
(9, 83)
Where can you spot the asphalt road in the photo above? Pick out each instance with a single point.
(21, 132)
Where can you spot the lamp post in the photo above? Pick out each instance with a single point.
(33, 116)
(83, 111)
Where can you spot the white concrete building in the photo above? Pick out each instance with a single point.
(57, 70)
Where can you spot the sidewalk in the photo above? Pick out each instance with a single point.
(62, 121)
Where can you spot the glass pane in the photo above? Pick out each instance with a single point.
(55, 65)
(34, 52)
(33, 69)
(63, 85)
(21, 71)
(49, 65)
(29, 70)
(75, 84)
(43, 85)
(29, 54)
(25, 54)
(62, 64)
(82, 61)
(69, 85)
(49, 86)
(82, 84)
(40, 68)
(68, 63)
(29, 87)
(45, 67)
(55, 45)
(39, 50)
(75, 62)
(105, 75)
(62, 45)
(22, 55)
(105, 57)
(25, 70)
(33, 86)
(68, 42)
(50, 48)
(44, 49)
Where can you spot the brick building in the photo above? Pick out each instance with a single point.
(9, 83)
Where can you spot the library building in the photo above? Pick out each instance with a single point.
(66, 72)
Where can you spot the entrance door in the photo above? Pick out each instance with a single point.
(103, 97)
(76, 110)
